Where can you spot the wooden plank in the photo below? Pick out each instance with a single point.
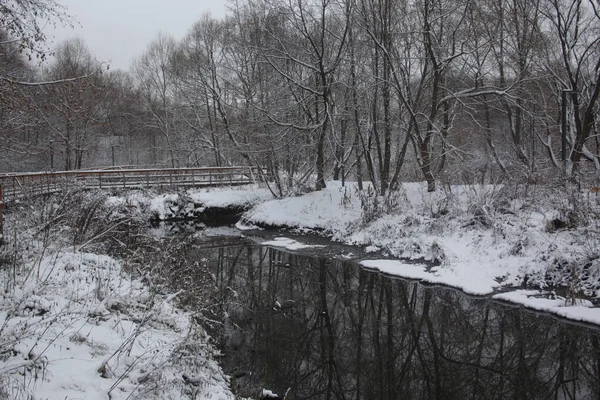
(20, 185)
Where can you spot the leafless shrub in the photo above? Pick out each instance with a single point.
(374, 206)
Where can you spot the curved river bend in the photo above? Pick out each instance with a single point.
(316, 327)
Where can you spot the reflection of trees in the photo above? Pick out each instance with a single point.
(328, 330)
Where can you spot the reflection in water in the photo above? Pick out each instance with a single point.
(326, 329)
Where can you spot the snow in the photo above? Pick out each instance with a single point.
(246, 227)
(78, 326)
(74, 324)
(185, 204)
(482, 238)
(166, 205)
(247, 195)
(289, 244)
(266, 393)
(327, 209)
(580, 311)
(464, 279)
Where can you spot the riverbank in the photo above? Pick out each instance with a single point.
(529, 245)
(85, 306)
(86, 309)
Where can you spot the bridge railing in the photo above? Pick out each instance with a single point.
(15, 186)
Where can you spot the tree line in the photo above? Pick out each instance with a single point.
(444, 91)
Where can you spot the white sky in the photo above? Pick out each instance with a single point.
(120, 30)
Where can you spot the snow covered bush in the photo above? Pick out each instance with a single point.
(374, 206)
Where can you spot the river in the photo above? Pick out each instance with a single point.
(317, 326)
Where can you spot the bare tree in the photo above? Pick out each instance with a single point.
(576, 24)
(72, 107)
(22, 36)
(124, 120)
(24, 22)
(197, 82)
(307, 57)
(156, 79)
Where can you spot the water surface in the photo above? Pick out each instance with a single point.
(317, 327)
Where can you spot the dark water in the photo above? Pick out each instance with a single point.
(320, 328)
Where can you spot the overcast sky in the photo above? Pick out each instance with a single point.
(120, 30)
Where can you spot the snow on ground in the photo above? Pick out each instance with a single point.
(289, 244)
(477, 283)
(330, 209)
(247, 195)
(578, 310)
(266, 393)
(481, 238)
(173, 205)
(75, 325)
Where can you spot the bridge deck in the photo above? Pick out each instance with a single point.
(16, 186)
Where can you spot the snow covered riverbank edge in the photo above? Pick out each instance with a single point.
(78, 322)
(491, 240)
(75, 323)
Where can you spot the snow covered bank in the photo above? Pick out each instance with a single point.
(75, 323)
(481, 238)
(332, 210)
(289, 244)
(193, 202)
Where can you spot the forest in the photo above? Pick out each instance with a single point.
(381, 91)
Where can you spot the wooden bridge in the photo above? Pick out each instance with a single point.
(20, 185)
(24, 185)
